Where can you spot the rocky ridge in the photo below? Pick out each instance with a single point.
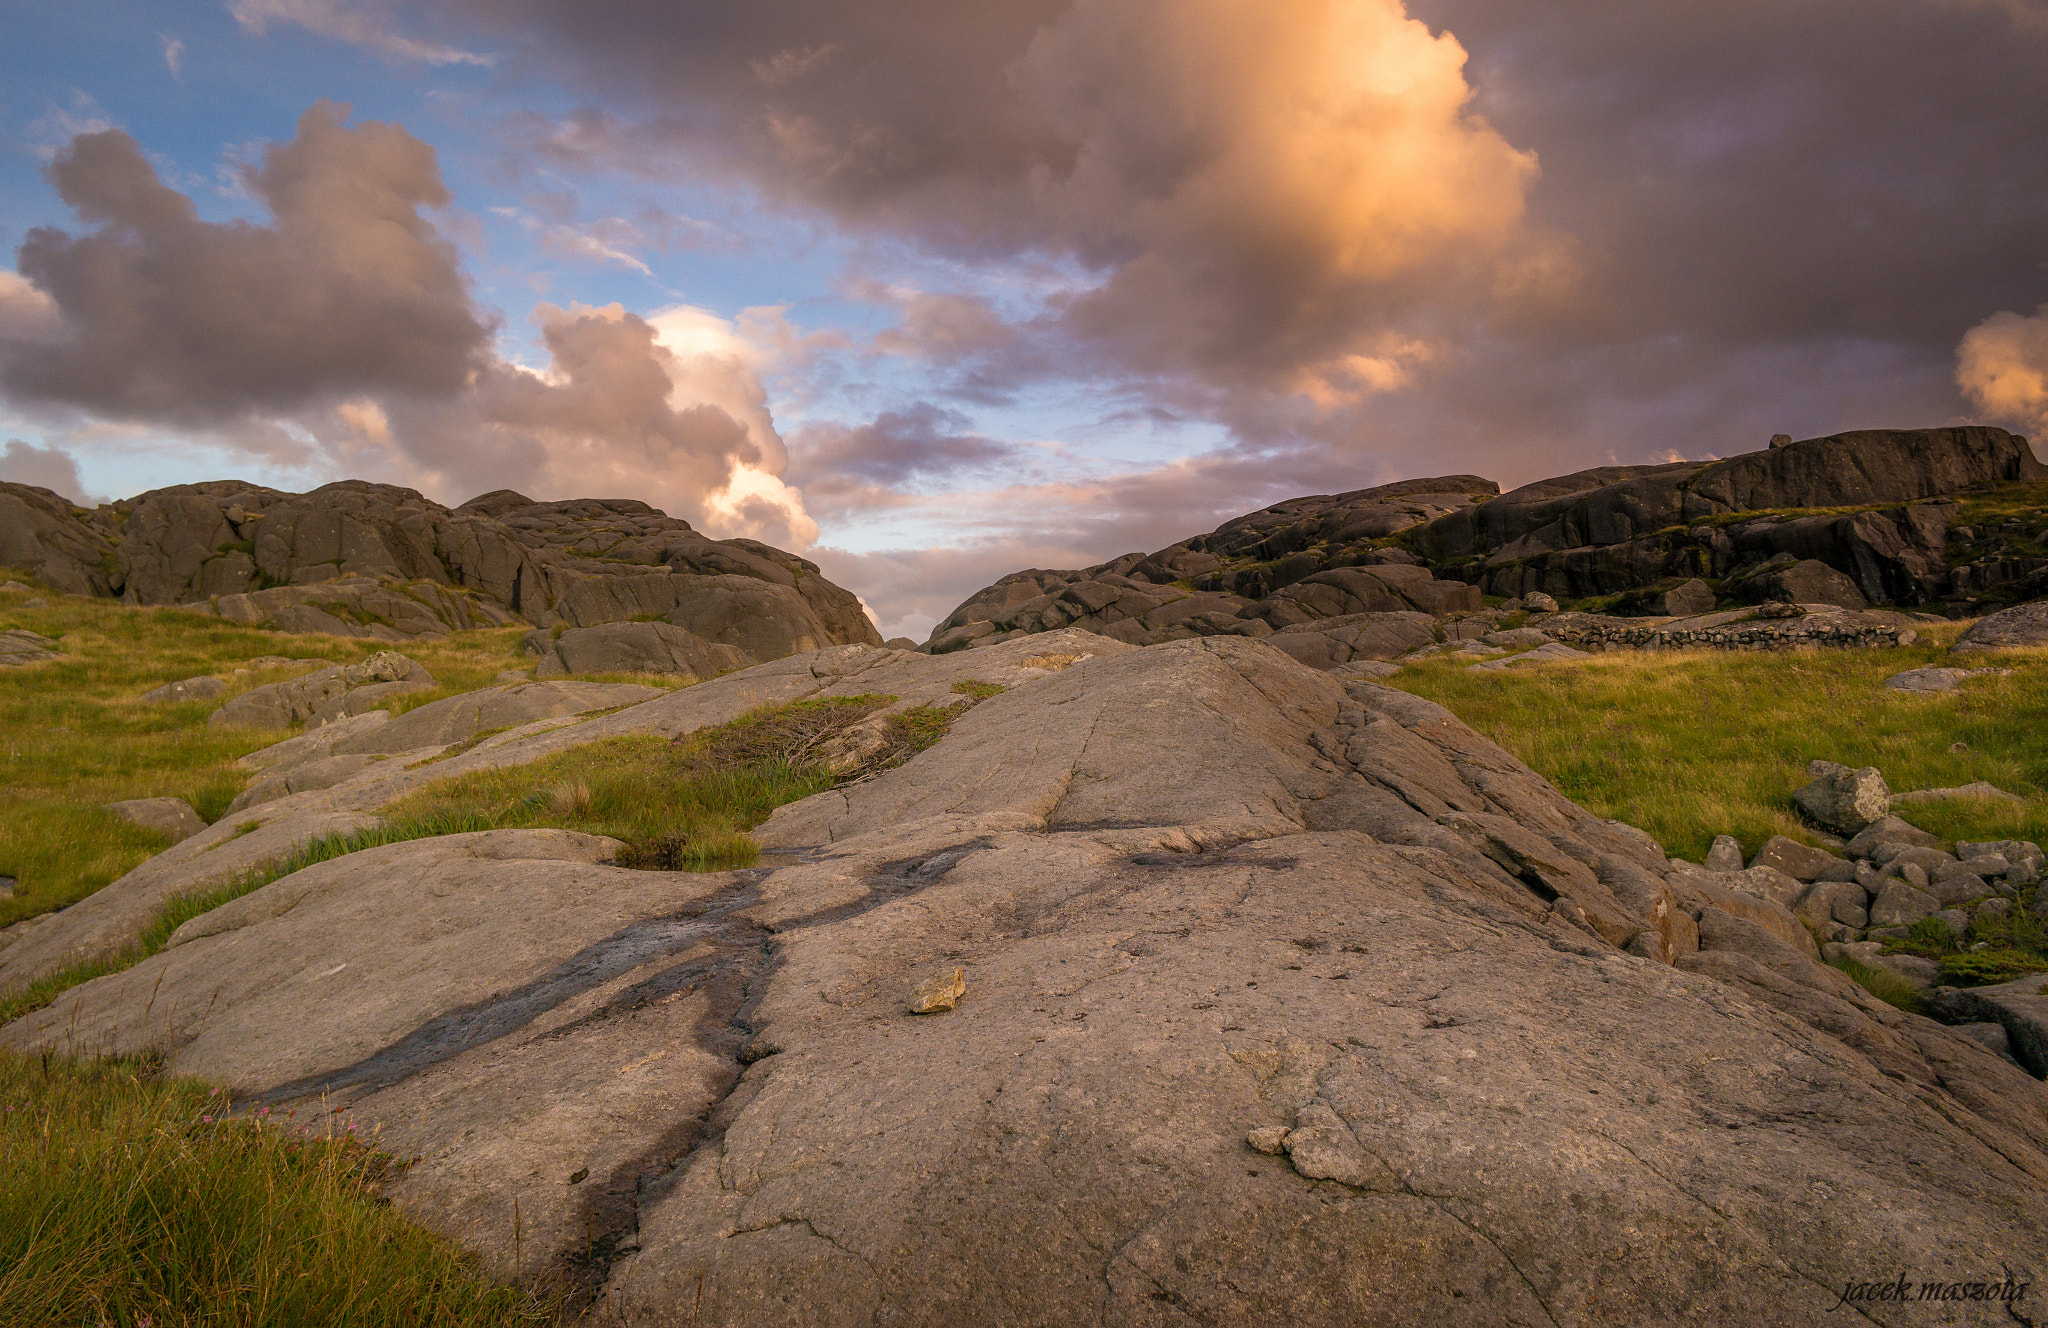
(384, 563)
(1273, 996)
(1676, 541)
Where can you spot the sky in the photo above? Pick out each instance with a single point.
(930, 291)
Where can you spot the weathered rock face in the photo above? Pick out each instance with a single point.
(2021, 625)
(634, 647)
(1285, 1000)
(1296, 562)
(1612, 530)
(18, 647)
(67, 547)
(326, 694)
(382, 562)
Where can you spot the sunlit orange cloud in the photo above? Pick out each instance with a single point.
(2002, 367)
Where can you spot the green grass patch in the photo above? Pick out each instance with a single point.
(1691, 744)
(978, 689)
(74, 734)
(1884, 984)
(684, 805)
(130, 1198)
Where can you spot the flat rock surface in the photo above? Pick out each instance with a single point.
(1935, 679)
(2021, 625)
(1195, 892)
(167, 816)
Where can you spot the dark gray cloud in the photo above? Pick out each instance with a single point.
(897, 447)
(159, 315)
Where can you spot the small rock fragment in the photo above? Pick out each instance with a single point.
(940, 991)
(1269, 1139)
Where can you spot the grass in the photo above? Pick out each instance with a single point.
(1884, 984)
(1691, 744)
(74, 735)
(134, 1199)
(684, 805)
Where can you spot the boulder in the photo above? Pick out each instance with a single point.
(2014, 851)
(188, 689)
(1980, 791)
(326, 694)
(170, 817)
(1887, 830)
(1553, 653)
(300, 777)
(1901, 905)
(1693, 597)
(2020, 1007)
(1959, 889)
(1933, 681)
(1794, 859)
(2021, 625)
(640, 647)
(1841, 799)
(1725, 855)
(313, 745)
(1834, 903)
(1811, 581)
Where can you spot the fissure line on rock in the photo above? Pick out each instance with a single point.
(736, 978)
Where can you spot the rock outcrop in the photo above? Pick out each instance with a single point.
(1295, 563)
(1276, 998)
(2019, 626)
(384, 563)
(326, 694)
(1614, 529)
(1668, 541)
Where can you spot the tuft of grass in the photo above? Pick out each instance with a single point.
(130, 1198)
(919, 727)
(1691, 744)
(1884, 984)
(978, 689)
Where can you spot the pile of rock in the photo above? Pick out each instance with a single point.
(1888, 876)
(1770, 627)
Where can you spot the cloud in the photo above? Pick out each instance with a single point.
(352, 21)
(343, 337)
(46, 468)
(1261, 197)
(2002, 367)
(844, 468)
(171, 318)
(174, 53)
